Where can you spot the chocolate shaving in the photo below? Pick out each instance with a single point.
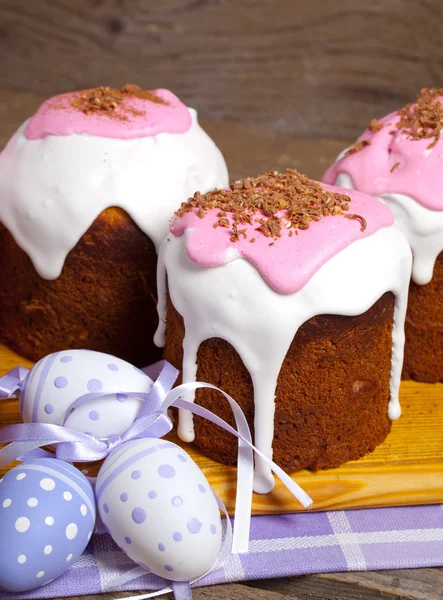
(105, 100)
(419, 120)
(276, 202)
(357, 146)
(423, 119)
(397, 164)
(236, 233)
(222, 222)
(271, 227)
(374, 125)
(358, 218)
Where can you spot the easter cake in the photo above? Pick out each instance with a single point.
(399, 160)
(87, 186)
(290, 296)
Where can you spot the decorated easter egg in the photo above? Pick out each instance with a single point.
(47, 516)
(52, 388)
(159, 508)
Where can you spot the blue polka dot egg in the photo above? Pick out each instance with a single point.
(159, 508)
(47, 516)
(55, 384)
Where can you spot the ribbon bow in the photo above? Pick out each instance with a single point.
(13, 382)
(26, 439)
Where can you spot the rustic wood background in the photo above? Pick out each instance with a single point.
(316, 67)
(411, 584)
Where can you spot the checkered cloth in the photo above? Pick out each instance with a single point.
(283, 545)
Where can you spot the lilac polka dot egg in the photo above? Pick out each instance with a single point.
(159, 508)
(55, 384)
(47, 516)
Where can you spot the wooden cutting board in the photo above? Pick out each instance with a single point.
(406, 469)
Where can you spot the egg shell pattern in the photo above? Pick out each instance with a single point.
(159, 508)
(47, 516)
(57, 380)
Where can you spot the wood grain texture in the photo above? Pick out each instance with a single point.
(404, 584)
(406, 469)
(319, 68)
(233, 591)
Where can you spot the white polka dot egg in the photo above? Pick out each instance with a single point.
(159, 508)
(55, 383)
(47, 516)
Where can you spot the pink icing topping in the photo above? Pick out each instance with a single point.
(288, 262)
(133, 118)
(395, 164)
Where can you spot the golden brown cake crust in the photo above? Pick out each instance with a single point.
(332, 392)
(424, 329)
(104, 300)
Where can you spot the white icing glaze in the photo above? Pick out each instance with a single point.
(234, 302)
(52, 189)
(422, 226)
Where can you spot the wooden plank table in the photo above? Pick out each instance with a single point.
(250, 150)
(406, 469)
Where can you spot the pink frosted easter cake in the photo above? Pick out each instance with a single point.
(399, 159)
(290, 296)
(87, 187)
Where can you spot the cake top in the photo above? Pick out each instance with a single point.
(422, 119)
(419, 120)
(126, 113)
(400, 153)
(287, 225)
(142, 152)
(273, 201)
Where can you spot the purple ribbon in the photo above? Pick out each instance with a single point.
(26, 439)
(74, 446)
(152, 422)
(12, 382)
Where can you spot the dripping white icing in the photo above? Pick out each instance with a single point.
(422, 226)
(52, 189)
(233, 302)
